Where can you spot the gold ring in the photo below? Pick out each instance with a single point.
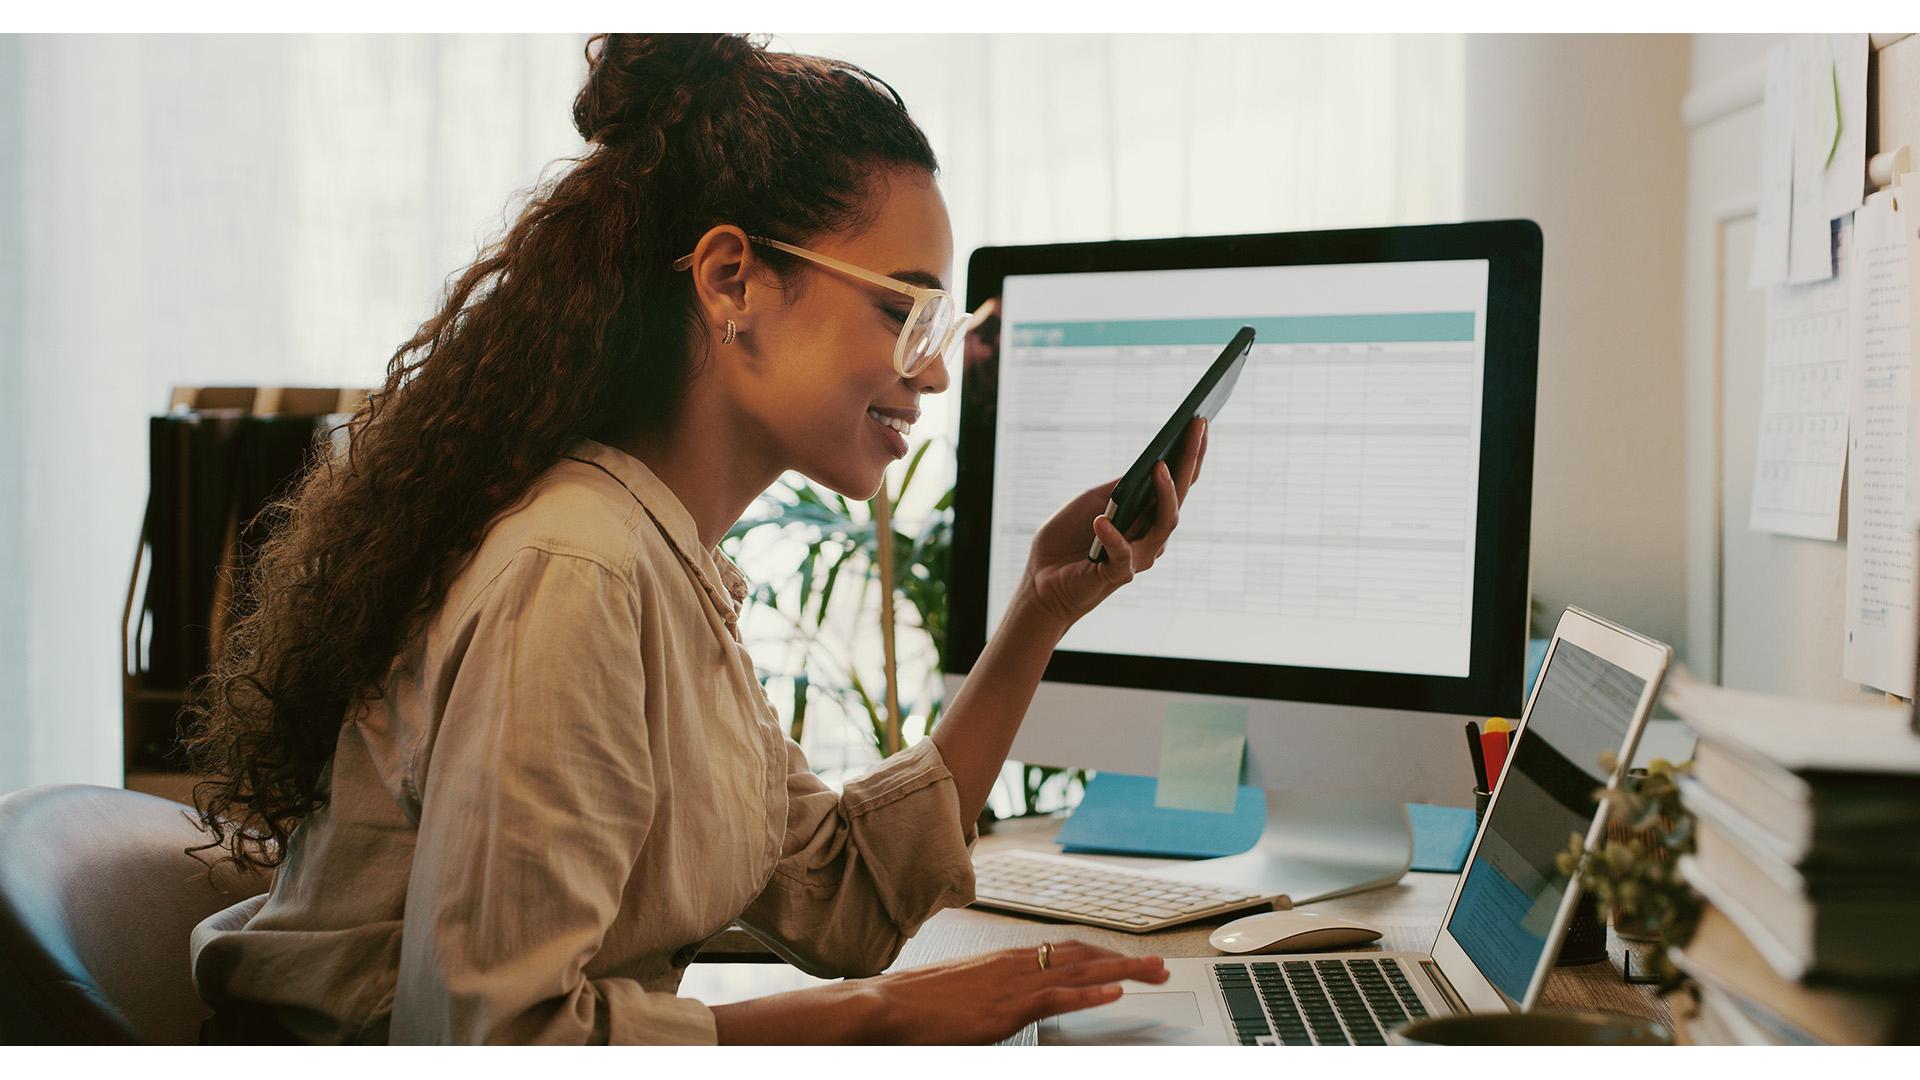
(1045, 955)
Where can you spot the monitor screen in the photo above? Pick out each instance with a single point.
(1334, 527)
(1512, 892)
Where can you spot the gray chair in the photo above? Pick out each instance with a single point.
(98, 900)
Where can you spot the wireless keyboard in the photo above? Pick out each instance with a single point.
(1054, 887)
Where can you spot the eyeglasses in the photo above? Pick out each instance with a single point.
(931, 329)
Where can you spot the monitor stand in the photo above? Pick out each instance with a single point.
(1315, 847)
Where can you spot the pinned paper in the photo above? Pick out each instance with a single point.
(1800, 461)
(1829, 73)
(1775, 214)
(1845, 167)
(1880, 550)
(1906, 190)
(1201, 746)
(1810, 251)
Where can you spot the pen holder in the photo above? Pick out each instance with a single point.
(1586, 934)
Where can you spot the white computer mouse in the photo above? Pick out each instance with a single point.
(1290, 931)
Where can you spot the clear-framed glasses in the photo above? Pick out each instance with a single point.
(932, 328)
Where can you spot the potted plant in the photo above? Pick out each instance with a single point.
(1635, 873)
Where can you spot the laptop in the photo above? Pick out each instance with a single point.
(1509, 913)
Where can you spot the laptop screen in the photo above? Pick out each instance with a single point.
(1512, 892)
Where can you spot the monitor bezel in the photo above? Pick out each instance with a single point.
(1497, 650)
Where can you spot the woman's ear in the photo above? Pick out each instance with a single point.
(720, 272)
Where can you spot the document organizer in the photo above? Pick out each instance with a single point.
(218, 456)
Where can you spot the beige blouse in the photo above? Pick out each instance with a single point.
(571, 780)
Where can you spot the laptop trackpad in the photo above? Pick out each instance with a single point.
(1165, 1018)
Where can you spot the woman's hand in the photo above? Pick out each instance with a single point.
(1060, 578)
(987, 998)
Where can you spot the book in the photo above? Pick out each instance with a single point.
(1733, 1025)
(1807, 810)
(1720, 957)
(1793, 742)
(1846, 935)
(1861, 921)
(1811, 848)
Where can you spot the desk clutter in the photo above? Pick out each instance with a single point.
(1807, 858)
(216, 458)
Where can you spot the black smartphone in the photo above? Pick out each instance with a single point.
(1133, 496)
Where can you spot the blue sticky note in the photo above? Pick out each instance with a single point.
(1441, 836)
(1201, 745)
(1117, 816)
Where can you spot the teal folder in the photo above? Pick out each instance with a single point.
(1117, 817)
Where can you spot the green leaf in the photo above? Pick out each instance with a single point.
(807, 564)
(799, 707)
(913, 463)
(876, 722)
(826, 587)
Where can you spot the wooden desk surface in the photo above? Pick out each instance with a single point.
(1408, 915)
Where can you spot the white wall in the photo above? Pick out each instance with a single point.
(1583, 134)
(13, 619)
(1765, 611)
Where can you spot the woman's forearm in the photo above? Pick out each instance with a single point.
(842, 1013)
(977, 730)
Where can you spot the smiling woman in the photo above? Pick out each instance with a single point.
(487, 706)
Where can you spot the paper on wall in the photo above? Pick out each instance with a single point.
(1809, 259)
(1906, 192)
(1846, 171)
(1801, 459)
(1829, 77)
(1775, 212)
(1879, 646)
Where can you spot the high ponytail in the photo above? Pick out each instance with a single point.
(570, 326)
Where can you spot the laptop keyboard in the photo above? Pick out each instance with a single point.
(1316, 1002)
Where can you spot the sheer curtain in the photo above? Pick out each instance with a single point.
(201, 209)
(205, 210)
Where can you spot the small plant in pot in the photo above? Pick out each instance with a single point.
(1634, 873)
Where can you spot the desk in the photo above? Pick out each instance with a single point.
(1408, 915)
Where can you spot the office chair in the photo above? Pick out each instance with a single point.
(98, 899)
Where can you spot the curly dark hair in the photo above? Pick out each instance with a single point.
(569, 326)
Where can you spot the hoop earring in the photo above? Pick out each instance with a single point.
(728, 339)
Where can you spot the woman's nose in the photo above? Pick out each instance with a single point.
(934, 379)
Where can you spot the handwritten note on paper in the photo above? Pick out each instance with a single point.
(1906, 191)
(1775, 212)
(1880, 546)
(1802, 457)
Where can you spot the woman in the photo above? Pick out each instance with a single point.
(487, 708)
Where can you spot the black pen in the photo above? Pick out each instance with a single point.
(1479, 762)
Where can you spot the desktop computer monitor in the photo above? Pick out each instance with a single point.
(1352, 565)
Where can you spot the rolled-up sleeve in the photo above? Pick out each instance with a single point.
(862, 870)
(537, 798)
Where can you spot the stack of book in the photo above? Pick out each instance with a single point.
(1807, 855)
